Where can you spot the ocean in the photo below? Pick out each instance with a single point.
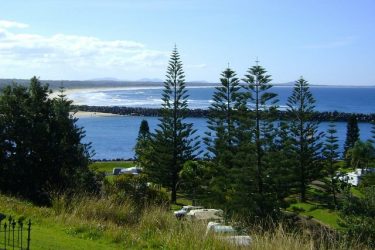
(343, 99)
(114, 137)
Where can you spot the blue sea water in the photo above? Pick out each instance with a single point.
(114, 137)
(342, 99)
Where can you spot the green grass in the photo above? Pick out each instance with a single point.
(107, 166)
(316, 206)
(100, 223)
(46, 231)
(356, 192)
(49, 236)
(324, 215)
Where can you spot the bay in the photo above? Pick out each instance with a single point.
(114, 137)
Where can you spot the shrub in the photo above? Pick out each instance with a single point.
(136, 189)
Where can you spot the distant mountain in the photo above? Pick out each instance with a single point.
(284, 84)
(200, 81)
(116, 83)
(110, 79)
(158, 80)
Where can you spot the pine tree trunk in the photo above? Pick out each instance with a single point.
(174, 194)
(334, 193)
(174, 187)
(303, 192)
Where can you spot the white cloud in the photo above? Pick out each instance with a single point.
(6, 24)
(78, 57)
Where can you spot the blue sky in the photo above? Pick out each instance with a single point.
(327, 42)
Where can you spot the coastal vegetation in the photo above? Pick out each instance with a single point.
(69, 224)
(173, 142)
(40, 145)
(269, 175)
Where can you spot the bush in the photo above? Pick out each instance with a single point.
(90, 208)
(298, 209)
(135, 188)
(368, 180)
(358, 217)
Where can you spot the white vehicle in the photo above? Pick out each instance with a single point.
(184, 210)
(228, 234)
(206, 214)
(131, 170)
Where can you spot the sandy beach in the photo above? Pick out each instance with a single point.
(83, 114)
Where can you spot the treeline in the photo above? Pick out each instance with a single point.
(41, 152)
(204, 113)
(254, 162)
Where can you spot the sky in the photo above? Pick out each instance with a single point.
(327, 42)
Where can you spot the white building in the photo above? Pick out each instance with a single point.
(354, 178)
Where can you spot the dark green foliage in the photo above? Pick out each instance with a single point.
(330, 154)
(143, 145)
(173, 142)
(361, 154)
(373, 132)
(41, 144)
(352, 135)
(357, 217)
(193, 179)
(223, 140)
(224, 119)
(135, 188)
(305, 138)
(367, 180)
(144, 130)
(281, 158)
(263, 105)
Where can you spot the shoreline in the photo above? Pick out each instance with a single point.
(204, 113)
(85, 114)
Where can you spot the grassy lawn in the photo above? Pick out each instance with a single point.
(107, 166)
(50, 236)
(316, 206)
(182, 200)
(94, 224)
(355, 191)
(326, 216)
(47, 232)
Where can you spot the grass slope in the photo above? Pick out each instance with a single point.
(107, 166)
(99, 223)
(325, 216)
(47, 232)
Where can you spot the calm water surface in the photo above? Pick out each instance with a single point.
(115, 136)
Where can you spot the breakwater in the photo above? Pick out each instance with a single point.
(204, 113)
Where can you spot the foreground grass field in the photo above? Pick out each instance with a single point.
(93, 223)
(102, 223)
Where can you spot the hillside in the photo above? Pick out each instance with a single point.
(90, 223)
